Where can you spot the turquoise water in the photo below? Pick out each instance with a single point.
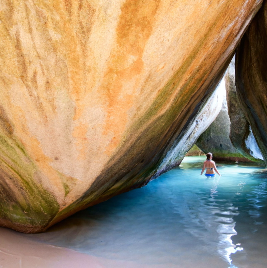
(181, 219)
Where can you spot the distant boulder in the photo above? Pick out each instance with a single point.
(240, 134)
(216, 138)
(230, 137)
(251, 77)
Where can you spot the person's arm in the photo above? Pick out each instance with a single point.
(216, 169)
(203, 168)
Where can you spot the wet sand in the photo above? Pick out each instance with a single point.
(16, 251)
(181, 220)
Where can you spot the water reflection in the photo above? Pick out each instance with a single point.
(226, 227)
(176, 218)
(209, 217)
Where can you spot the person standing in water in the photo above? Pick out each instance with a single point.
(210, 167)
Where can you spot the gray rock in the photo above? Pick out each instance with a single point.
(227, 136)
(251, 77)
(240, 134)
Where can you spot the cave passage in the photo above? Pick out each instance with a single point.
(180, 219)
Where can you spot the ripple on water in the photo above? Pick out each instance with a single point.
(181, 219)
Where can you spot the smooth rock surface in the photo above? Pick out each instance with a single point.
(230, 137)
(94, 93)
(251, 77)
(241, 135)
(201, 122)
(216, 138)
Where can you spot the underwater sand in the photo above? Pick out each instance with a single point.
(181, 219)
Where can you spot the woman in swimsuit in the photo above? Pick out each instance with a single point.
(210, 167)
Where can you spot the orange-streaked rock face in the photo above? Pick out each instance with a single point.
(93, 93)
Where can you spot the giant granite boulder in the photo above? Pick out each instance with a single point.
(230, 137)
(93, 93)
(241, 134)
(251, 77)
(216, 138)
(187, 138)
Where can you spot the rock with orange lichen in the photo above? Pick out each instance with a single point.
(94, 93)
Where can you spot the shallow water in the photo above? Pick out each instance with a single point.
(181, 219)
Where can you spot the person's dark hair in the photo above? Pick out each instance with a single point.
(209, 155)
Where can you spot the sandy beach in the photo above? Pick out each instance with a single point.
(18, 251)
(167, 224)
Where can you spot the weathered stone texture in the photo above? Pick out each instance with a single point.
(229, 137)
(93, 93)
(251, 77)
(179, 147)
(216, 138)
(240, 129)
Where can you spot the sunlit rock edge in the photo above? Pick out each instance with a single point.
(201, 122)
(230, 137)
(44, 112)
